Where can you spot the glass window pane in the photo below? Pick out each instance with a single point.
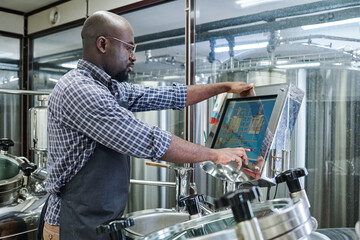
(54, 55)
(285, 42)
(9, 79)
(160, 59)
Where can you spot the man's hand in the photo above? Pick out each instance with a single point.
(244, 89)
(181, 151)
(257, 166)
(226, 155)
(198, 93)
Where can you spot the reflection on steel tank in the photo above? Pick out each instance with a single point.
(37, 130)
(173, 121)
(325, 138)
(22, 195)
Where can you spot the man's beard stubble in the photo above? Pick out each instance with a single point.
(122, 76)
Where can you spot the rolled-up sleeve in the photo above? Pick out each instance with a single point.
(143, 98)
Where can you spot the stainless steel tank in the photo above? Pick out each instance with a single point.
(20, 219)
(22, 195)
(11, 179)
(38, 138)
(278, 219)
(326, 133)
(153, 220)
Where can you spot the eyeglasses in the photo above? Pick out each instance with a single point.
(131, 48)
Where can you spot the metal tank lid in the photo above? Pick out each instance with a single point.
(276, 217)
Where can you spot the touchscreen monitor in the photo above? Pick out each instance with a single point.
(243, 124)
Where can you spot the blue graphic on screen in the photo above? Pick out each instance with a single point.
(244, 124)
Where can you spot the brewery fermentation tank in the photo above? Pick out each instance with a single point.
(38, 125)
(324, 138)
(22, 195)
(37, 130)
(278, 219)
(11, 179)
(287, 218)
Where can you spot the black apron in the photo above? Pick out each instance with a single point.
(98, 193)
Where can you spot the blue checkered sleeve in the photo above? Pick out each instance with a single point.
(97, 114)
(142, 98)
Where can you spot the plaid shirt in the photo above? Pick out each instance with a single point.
(84, 111)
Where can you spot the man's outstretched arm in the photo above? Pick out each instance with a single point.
(181, 151)
(198, 93)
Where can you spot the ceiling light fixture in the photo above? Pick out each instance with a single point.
(53, 80)
(299, 65)
(251, 3)
(243, 47)
(171, 77)
(69, 65)
(330, 24)
(13, 79)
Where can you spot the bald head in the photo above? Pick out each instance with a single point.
(106, 39)
(103, 23)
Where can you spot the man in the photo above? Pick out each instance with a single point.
(92, 131)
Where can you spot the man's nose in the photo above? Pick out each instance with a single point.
(132, 57)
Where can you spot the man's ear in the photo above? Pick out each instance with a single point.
(101, 44)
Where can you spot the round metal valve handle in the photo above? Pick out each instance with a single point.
(291, 177)
(115, 228)
(239, 201)
(5, 144)
(192, 203)
(27, 168)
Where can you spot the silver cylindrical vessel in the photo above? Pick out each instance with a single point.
(278, 219)
(11, 179)
(38, 139)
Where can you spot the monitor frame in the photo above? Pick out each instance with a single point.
(275, 144)
(278, 90)
(238, 100)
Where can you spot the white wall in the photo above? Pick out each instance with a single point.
(96, 5)
(12, 23)
(71, 11)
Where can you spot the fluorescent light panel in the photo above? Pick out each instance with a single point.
(13, 79)
(53, 80)
(251, 3)
(171, 77)
(243, 47)
(330, 24)
(69, 65)
(299, 65)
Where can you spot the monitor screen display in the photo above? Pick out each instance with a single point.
(243, 124)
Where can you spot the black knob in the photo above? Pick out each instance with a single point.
(192, 203)
(114, 227)
(239, 201)
(5, 143)
(27, 168)
(224, 201)
(291, 177)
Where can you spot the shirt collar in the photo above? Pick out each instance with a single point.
(96, 72)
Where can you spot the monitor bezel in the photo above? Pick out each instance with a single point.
(278, 90)
(239, 99)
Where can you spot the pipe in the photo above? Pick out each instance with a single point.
(279, 25)
(23, 92)
(263, 16)
(322, 36)
(203, 35)
(153, 183)
(189, 66)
